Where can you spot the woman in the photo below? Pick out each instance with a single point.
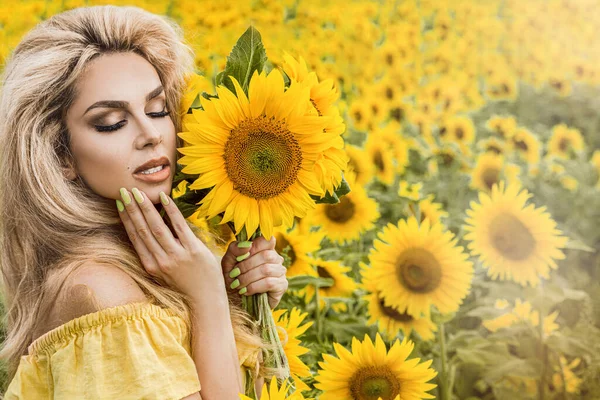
(105, 299)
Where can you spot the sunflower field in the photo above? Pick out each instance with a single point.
(464, 263)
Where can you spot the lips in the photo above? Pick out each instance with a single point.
(155, 162)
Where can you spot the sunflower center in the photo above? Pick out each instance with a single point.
(490, 177)
(511, 237)
(520, 144)
(373, 382)
(323, 273)
(378, 160)
(418, 270)
(460, 133)
(262, 157)
(393, 313)
(340, 212)
(563, 145)
(281, 243)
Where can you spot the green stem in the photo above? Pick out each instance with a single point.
(444, 395)
(318, 313)
(544, 356)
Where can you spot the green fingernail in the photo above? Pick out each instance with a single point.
(235, 284)
(244, 245)
(138, 196)
(163, 198)
(243, 257)
(125, 196)
(243, 290)
(120, 206)
(235, 272)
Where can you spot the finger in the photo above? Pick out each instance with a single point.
(147, 259)
(261, 272)
(266, 285)
(142, 230)
(254, 261)
(260, 243)
(229, 260)
(185, 235)
(157, 226)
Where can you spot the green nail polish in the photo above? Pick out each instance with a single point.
(234, 272)
(235, 284)
(163, 198)
(138, 196)
(243, 257)
(120, 206)
(243, 290)
(244, 245)
(125, 196)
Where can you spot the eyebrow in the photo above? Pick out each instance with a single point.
(123, 104)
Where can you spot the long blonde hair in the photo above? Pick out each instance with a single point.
(51, 225)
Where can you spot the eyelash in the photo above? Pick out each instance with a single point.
(110, 128)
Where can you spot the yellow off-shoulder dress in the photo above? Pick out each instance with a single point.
(132, 351)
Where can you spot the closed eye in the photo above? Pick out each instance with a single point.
(118, 125)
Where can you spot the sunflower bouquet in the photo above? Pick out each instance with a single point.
(260, 152)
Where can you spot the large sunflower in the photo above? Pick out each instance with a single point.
(370, 372)
(289, 332)
(347, 220)
(256, 152)
(513, 240)
(417, 265)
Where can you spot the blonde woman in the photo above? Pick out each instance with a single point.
(104, 299)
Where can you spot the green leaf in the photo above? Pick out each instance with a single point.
(333, 198)
(575, 244)
(188, 202)
(248, 55)
(180, 176)
(301, 281)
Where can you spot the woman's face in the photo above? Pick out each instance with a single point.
(107, 160)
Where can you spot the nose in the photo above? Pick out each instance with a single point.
(149, 133)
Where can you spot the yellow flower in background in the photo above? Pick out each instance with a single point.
(179, 190)
(428, 209)
(257, 153)
(527, 145)
(411, 191)
(301, 246)
(290, 330)
(345, 221)
(565, 140)
(565, 377)
(415, 266)
(359, 163)
(381, 159)
(522, 312)
(388, 319)
(273, 392)
(569, 183)
(513, 240)
(487, 171)
(369, 371)
(343, 285)
(502, 87)
(492, 145)
(504, 126)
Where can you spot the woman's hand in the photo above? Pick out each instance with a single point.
(183, 263)
(260, 272)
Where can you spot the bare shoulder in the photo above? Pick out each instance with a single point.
(92, 287)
